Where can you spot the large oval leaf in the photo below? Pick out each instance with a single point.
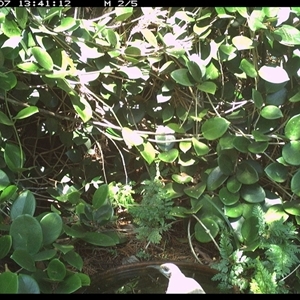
(295, 183)
(8, 283)
(26, 234)
(242, 42)
(43, 58)
(287, 35)
(214, 128)
(5, 245)
(183, 77)
(246, 173)
(99, 239)
(292, 207)
(24, 204)
(24, 259)
(4, 181)
(227, 197)
(27, 285)
(215, 178)
(253, 193)
(273, 74)
(277, 172)
(290, 153)
(26, 112)
(147, 151)
(201, 233)
(292, 128)
(200, 148)
(14, 157)
(271, 112)
(56, 270)
(51, 225)
(169, 156)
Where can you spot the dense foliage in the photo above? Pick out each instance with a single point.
(201, 104)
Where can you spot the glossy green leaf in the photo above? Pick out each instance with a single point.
(215, 178)
(51, 225)
(74, 259)
(258, 147)
(195, 191)
(147, 151)
(10, 28)
(277, 172)
(227, 197)
(23, 258)
(21, 16)
(150, 37)
(287, 35)
(214, 128)
(248, 68)
(169, 156)
(82, 107)
(4, 119)
(183, 77)
(123, 13)
(8, 80)
(24, 204)
(295, 97)
(253, 193)
(271, 112)
(249, 230)
(43, 58)
(28, 66)
(133, 51)
(292, 207)
(257, 98)
(4, 181)
(211, 226)
(69, 285)
(26, 234)
(290, 153)
(8, 283)
(242, 42)
(45, 255)
(246, 173)
(182, 178)
(295, 183)
(207, 87)
(27, 285)
(185, 146)
(26, 112)
(233, 185)
(5, 245)
(199, 147)
(194, 70)
(65, 24)
(100, 196)
(99, 239)
(131, 137)
(56, 270)
(226, 164)
(292, 128)
(233, 211)
(273, 74)
(8, 193)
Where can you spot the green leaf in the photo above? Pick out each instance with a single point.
(182, 178)
(253, 193)
(246, 173)
(56, 270)
(277, 98)
(227, 197)
(74, 259)
(194, 70)
(51, 225)
(185, 146)
(271, 112)
(21, 16)
(123, 13)
(45, 255)
(5, 245)
(26, 234)
(26, 112)
(242, 42)
(131, 137)
(248, 68)
(201, 233)
(147, 151)
(43, 58)
(65, 24)
(27, 285)
(8, 80)
(82, 107)
(292, 128)
(233, 185)
(290, 153)
(200, 148)
(273, 74)
(207, 87)
(100, 196)
(257, 98)
(69, 285)
(133, 51)
(99, 239)
(234, 211)
(255, 20)
(8, 283)
(28, 67)
(24, 204)
(111, 36)
(5, 120)
(183, 77)
(249, 230)
(169, 156)
(23, 258)
(10, 28)
(226, 164)
(277, 172)
(295, 183)
(287, 35)
(258, 147)
(292, 207)
(8, 193)
(215, 178)
(275, 213)
(214, 128)
(4, 180)
(150, 37)
(195, 191)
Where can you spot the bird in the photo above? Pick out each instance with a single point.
(178, 282)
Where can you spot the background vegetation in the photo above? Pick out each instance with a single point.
(167, 113)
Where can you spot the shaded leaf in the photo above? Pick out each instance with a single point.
(214, 128)
(183, 77)
(290, 153)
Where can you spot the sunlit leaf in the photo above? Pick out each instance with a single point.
(273, 74)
